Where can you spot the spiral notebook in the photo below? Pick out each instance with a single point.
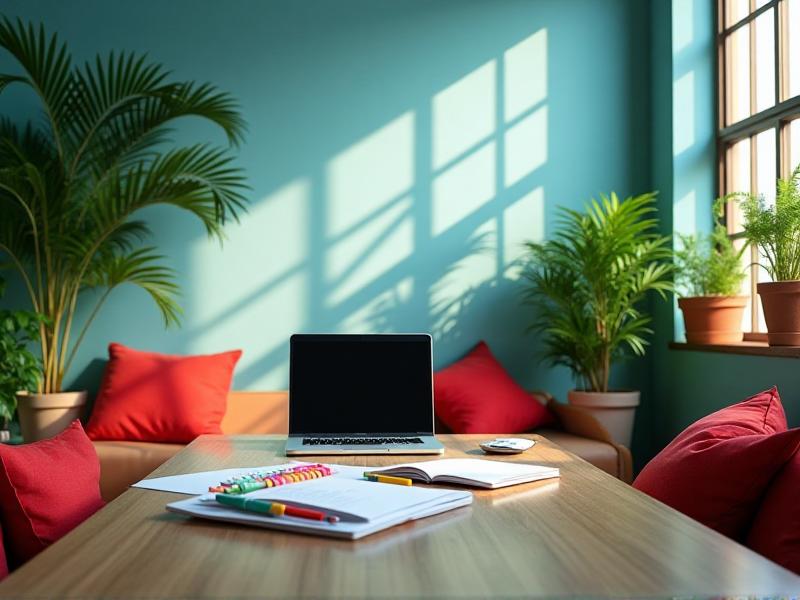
(363, 507)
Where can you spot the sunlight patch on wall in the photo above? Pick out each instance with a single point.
(683, 111)
(364, 256)
(525, 74)
(684, 214)
(466, 275)
(464, 114)
(525, 146)
(523, 221)
(263, 286)
(368, 175)
(375, 315)
(463, 188)
(682, 24)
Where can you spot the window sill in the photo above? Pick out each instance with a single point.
(749, 348)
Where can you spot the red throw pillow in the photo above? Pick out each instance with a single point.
(477, 395)
(46, 489)
(3, 561)
(718, 468)
(150, 397)
(776, 530)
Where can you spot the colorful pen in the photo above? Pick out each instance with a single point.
(275, 509)
(387, 479)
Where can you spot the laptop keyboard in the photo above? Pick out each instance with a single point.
(348, 441)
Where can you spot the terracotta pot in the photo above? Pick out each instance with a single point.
(781, 302)
(614, 410)
(713, 319)
(42, 416)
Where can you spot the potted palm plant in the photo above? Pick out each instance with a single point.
(775, 230)
(73, 181)
(709, 276)
(19, 367)
(588, 284)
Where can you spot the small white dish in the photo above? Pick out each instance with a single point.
(507, 445)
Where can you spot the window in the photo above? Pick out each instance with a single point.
(759, 114)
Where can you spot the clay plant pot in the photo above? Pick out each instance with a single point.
(781, 303)
(713, 319)
(614, 410)
(42, 416)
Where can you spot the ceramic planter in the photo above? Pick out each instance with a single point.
(781, 303)
(713, 319)
(614, 410)
(42, 416)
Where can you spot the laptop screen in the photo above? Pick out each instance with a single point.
(360, 384)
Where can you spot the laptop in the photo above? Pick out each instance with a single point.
(361, 394)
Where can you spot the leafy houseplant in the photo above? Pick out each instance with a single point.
(19, 368)
(775, 230)
(588, 283)
(709, 276)
(73, 181)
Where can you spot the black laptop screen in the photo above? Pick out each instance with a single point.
(360, 384)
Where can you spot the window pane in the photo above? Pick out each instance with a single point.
(747, 317)
(766, 175)
(762, 276)
(793, 131)
(737, 47)
(737, 179)
(793, 47)
(760, 3)
(765, 60)
(736, 10)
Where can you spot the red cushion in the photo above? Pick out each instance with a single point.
(3, 561)
(46, 489)
(150, 397)
(776, 530)
(477, 395)
(717, 469)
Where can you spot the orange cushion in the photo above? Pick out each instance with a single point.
(150, 397)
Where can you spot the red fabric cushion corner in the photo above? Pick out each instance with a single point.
(152, 397)
(775, 532)
(47, 488)
(477, 395)
(717, 469)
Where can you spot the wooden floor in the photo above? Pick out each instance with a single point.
(585, 534)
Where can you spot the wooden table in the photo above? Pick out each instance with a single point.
(585, 534)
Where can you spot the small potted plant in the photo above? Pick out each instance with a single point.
(19, 368)
(588, 285)
(709, 274)
(775, 230)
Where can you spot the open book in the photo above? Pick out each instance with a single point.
(362, 506)
(489, 474)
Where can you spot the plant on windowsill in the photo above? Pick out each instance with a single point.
(775, 230)
(588, 285)
(19, 367)
(73, 181)
(708, 275)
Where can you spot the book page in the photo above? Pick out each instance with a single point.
(487, 471)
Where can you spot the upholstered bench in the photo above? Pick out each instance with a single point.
(123, 463)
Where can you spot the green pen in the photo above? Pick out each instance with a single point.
(275, 509)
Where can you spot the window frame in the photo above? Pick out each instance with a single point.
(777, 117)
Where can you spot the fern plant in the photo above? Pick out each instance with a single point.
(72, 182)
(709, 265)
(589, 281)
(775, 230)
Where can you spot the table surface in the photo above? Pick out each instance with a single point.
(584, 534)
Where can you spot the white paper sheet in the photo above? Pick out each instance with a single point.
(198, 483)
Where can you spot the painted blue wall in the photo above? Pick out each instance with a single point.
(399, 153)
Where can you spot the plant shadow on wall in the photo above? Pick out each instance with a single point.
(71, 185)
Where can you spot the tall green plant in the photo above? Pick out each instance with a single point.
(776, 229)
(709, 265)
(588, 282)
(72, 182)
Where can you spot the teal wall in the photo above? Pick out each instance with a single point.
(399, 153)
(687, 385)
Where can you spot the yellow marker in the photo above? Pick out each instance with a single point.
(387, 479)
